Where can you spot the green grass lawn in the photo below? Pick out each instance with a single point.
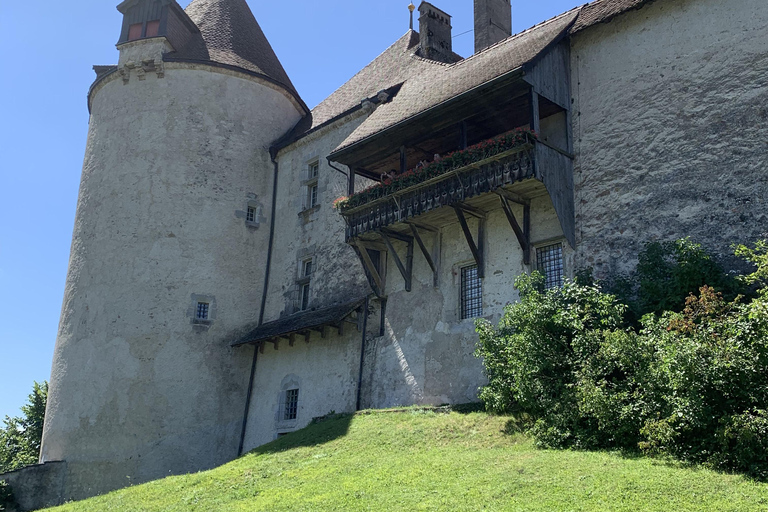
(417, 460)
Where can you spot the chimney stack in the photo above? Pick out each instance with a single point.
(435, 33)
(493, 22)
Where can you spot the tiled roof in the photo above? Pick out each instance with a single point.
(233, 37)
(392, 67)
(438, 84)
(601, 11)
(303, 321)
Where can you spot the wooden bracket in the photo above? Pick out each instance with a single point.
(403, 159)
(405, 270)
(291, 339)
(512, 197)
(374, 279)
(425, 252)
(477, 249)
(523, 234)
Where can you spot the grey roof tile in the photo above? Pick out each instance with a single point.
(233, 37)
(440, 83)
(601, 11)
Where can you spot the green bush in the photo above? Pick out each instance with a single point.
(692, 384)
(20, 436)
(7, 499)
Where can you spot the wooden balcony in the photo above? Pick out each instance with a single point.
(453, 187)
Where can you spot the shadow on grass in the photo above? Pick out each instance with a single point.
(320, 431)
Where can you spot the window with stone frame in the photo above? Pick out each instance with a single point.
(291, 405)
(305, 276)
(312, 190)
(202, 311)
(471, 293)
(250, 215)
(549, 261)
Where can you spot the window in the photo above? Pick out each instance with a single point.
(312, 170)
(153, 28)
(471, 293)
(202, 311)
(134, 31)
(305, 275)
(291, 408)
(549, 261)
(312, 196)
(250, 216)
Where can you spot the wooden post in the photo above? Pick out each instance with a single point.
(291, 339)
(403, 160)
(463, 135)
(424, 251)
(535, 115)
(476, 253)
(378, 282)
(527, 233)
(405, 270)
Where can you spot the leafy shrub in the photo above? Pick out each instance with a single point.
(692, 384)
(20, 437)
(7, 499)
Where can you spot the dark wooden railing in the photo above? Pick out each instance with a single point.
(447, 189)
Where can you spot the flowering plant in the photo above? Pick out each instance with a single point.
(451, 161)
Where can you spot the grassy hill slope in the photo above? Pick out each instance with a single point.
(424, 460)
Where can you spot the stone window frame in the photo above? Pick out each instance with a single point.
(282, 425)
(253, 205)
(192, 310)
(547, 243)
(311, 185)
(462, 298)
(303, 282)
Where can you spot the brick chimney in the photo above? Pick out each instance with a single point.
(435, 33)
(493, 22)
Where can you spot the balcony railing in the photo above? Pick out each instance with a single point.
(451, 187)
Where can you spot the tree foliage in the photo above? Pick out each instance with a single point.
(20, 436)
(691, 383)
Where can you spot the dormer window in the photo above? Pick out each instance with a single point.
(153, 28)
(142, 30)
(134, 31)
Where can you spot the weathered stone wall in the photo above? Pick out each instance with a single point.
(670, 127)
(38, 486)
(138, 389)
(426, 355)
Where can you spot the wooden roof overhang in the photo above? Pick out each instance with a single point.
(303, 324)
(436, 130)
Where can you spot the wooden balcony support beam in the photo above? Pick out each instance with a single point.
(351, 182)
(291, 339)
(523, 234)
(512, 197)
(477, 249)
(307, 336)
(470, 210)
(405, 270)
(373, 274)
(403, 159)
(424, 251)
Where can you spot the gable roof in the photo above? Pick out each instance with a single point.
(603, 11)
(232, 37)
(438, 84)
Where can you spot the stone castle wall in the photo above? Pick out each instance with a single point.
(670, 128)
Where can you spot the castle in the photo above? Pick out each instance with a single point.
(242, 264)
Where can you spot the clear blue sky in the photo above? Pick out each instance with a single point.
(47, 49)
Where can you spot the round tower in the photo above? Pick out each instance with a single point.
(169, 246)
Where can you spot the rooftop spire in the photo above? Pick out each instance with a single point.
(411, 8)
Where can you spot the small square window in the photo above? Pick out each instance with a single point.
(291, 409)
(202, 311)
(312, 170)
(250, 216)
(134, 31)
(549, 261)
(471, 293)
(153, 28)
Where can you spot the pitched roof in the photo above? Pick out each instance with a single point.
(437, 84)
(602, 11)
(233, 37)
(303, 321)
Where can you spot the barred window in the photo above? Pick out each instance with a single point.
(251, 215)
(202, 311)
(291, 404)
(471, 293)
(549, 261)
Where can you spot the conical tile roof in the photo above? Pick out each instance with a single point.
(233, 37)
